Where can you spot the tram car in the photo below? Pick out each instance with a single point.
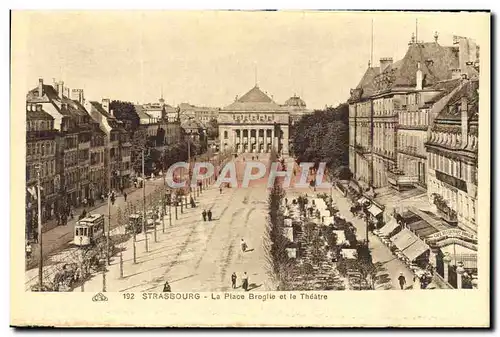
(89, 230)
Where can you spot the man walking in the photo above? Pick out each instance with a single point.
(220, 189)
(245, 281)
(233, 280)
(204, 214)
(402, 280)
(209, 214)
(125, 196)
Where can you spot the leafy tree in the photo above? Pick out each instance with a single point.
(125, 111)
(213, 129)
(323, 137)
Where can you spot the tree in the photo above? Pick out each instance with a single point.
(323, 137)
(125, 111)
(213, 129)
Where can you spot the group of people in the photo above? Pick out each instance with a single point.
(244, 281)
(207, 215)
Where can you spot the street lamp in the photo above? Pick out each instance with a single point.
(366, 205)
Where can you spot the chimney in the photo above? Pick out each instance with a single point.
(420, 78)
(66, 92)
(40, 87)
(60, 89)
(112, 112)
(384, 63)
(77, 95)
(465, 119)
(105, 104)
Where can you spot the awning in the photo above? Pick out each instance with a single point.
(374, 210)
(349, 253)
(389, 227)
(415, 250)
(422, 228)
(403, 239)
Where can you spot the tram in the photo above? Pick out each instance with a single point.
(89, 230)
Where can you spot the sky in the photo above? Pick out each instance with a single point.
(208, 58)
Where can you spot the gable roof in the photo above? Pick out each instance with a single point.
(452, 110)
(436, 62)
(98, 106)
(254, 100)
(72, 108)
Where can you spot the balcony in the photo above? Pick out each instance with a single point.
(400, 181)
(361, 149)
(84, 145)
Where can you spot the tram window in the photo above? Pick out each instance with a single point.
(84, 231)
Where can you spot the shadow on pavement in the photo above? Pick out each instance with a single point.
(253, 286)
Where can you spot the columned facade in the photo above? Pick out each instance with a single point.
(254, 124)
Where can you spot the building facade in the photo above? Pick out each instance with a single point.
(297, 108)
(117, 144)
(452, 155)
(254, 123)
(41, 150)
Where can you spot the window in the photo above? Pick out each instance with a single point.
(225, 135)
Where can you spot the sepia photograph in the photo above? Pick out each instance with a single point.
(194, 160)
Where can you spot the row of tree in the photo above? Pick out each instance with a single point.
(323, 136)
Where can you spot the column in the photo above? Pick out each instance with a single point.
(265, 139)
(285, 140)
(249, 139)
(240, 149)
(273, 144)
(234, 140)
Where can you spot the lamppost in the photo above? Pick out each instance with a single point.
(460, 271)
(40, 235)
(144, 227)
(366, 205)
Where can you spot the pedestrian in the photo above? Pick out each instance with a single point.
(286, 201)
(257, 157)
(125, 196)
(233, 280)
(209, 214)
(245, 281)
(29, 251)
(85, 202)
(204, 214)
(243, 245)
(220, 189)
(402, 280)
(35, 236)
(166, 287)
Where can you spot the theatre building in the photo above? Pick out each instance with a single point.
(254, 123)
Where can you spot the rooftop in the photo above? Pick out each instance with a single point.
(254, 100)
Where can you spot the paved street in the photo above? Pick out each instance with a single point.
(60, 236)
(194, 255)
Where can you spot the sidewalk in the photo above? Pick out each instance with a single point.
(164, 257)
(59, 236)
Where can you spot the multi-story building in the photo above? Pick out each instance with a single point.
(452, 156)
(200, 113)
(360, 128)
(297, 108)
(41, 145)
(97, 171)
(383, 94)
(254, 123)
(160, 110)
(117, 143)
(73, 149)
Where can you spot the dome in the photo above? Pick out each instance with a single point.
(295, 101)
